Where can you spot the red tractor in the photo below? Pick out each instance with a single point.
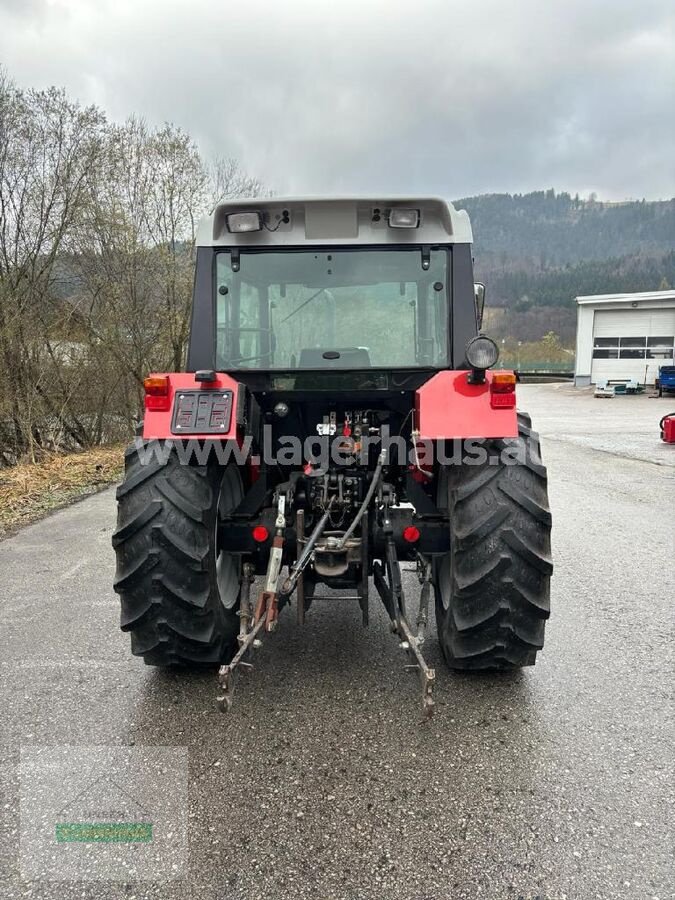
(340, 414)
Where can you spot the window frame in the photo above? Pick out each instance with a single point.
(627, 347)
(447, 294)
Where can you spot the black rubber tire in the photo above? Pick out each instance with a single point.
(492, 588)
(179, 592)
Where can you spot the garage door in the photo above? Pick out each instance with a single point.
(632, 343)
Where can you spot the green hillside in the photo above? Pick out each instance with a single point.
(536, 252)
(545, 229)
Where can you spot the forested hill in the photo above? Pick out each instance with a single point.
(537, 252)
(544, 229)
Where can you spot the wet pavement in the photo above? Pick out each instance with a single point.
(551, 783)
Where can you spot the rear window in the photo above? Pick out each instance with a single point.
(332, 309)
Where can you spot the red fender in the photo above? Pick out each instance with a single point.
(448, 406)
(163, 422)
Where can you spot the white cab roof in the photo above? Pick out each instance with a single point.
(336, 220)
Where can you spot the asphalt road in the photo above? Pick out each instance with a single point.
(552, 783)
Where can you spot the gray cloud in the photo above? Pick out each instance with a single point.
(380, 95)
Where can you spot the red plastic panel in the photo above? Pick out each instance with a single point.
(447, 406)
(668, 429)
(157, 424)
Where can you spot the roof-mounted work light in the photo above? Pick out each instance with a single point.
(404, 218)
(239, 223)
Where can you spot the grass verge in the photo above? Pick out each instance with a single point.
(30, 491)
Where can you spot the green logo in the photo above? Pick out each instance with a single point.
(104, 813)
(104, 832)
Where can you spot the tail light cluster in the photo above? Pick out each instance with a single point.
(503, 390)
(157, 396)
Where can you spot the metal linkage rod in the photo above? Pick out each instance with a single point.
(302, 561)
(427, 674)
(267, 606)
(226, 673)
(300, 543)
(266, 609)
(424, 570)
(390, 588)
(245, 611)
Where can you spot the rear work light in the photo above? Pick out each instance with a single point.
(404, 218)
(157, 397)
(503, 390)
(239, 223)
(482, 352)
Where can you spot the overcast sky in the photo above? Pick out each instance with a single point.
(403, 96)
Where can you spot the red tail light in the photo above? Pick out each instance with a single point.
(411, 534)
(260, 534)
(157, 396)
(503, 390)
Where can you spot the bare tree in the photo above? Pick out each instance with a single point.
(227, 180)
(138, 263)
(48, 146)
(97, 245)
(178, 197)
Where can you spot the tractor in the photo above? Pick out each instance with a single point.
(340, 414)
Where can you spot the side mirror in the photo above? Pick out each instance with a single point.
(479, 289)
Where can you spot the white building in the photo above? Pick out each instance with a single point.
(624, 336)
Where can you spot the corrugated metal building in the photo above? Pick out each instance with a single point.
(624, 336)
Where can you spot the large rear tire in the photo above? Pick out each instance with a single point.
(492, 588)
(179, 591)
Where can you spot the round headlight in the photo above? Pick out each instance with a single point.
(482, 352)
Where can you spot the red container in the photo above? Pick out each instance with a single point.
(668, 428)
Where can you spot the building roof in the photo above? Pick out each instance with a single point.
(294, 221)
(599, 299)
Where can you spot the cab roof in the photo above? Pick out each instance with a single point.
(316, 221)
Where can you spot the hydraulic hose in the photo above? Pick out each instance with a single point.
(366, 502)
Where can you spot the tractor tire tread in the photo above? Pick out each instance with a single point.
(164, 544)
(496, 581)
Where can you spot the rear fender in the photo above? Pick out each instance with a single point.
(221, 413)
(448, 406)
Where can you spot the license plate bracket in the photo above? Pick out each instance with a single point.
(202, 412)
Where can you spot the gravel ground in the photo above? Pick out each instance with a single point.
(625, 426)
(552, 783)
